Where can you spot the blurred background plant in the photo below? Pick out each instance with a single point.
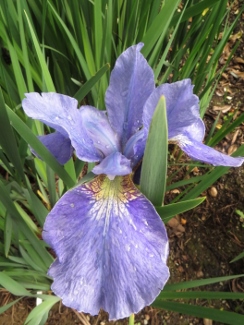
(70, 47)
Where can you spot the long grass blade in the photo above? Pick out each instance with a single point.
(225, 317)
(154, 165)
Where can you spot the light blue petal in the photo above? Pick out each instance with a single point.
(131, 83)
(58, 145)
(52, 109)
(182, 109)
(61, 113)
(111, 248)
(113, 165)
(199, 151)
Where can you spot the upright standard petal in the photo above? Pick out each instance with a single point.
(199, 151)
(111, 248)
(58, 145)
(131, 83)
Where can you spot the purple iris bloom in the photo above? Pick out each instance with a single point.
(110, 243)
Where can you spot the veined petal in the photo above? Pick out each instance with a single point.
(131, 83)
(199, 151)
(135, 146)
(98, 129)
(49, 108)
(182, 109)
(113, 165)
(111, 248)
(58, 145)
(61, 113)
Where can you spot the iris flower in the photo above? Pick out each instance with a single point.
(111, 244)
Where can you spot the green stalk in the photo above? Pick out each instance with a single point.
(131, 319)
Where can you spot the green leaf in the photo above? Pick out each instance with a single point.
(154, 165)
(41, 310)
(38, 245)
(193, 11)
(84, 90)
(199, 295)
(13, 286)
(7, 139)
(6, 262)
(24, 47)
(6, 307)
(30, 261)
(44, 68)
(202, 312)
(227, 128)
(51, 182)
(20, 81)
(36, 206)
(168, 211)
(73, 42)
(98, 31)
(7, 233)
(159, 25)
(28, 221)
(238, 257)
(197, 283)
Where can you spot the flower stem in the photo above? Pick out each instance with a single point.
(131, 319)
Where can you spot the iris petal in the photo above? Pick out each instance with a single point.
(113, 165)
(199, 151)
(131, 83)
(182, 109)
(111, 248)
(61, 113)
(58, 145)
(185, 125)
(50, 108)
(98, 129)
(135, 146)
